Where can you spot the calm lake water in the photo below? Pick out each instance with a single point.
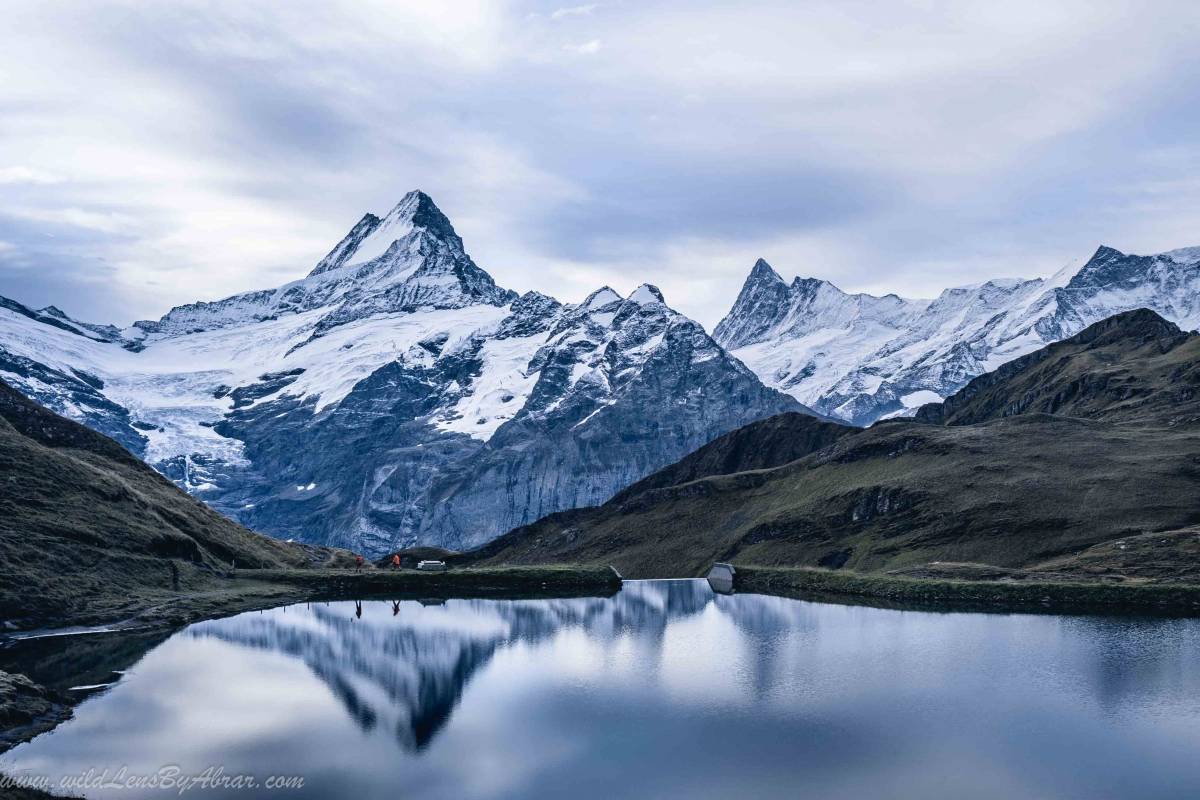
(664, 690)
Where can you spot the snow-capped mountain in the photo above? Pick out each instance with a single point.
(858, 358)
(394, 395)
(409, 260)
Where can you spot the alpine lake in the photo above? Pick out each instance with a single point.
(665, 689)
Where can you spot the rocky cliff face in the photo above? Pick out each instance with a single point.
(587, 428)
(859, 358)
(395, 395)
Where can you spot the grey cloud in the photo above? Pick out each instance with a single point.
(633, 206)
(936, 151)
(46, 264)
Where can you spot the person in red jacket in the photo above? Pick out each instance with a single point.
(396, 561)
(358, 563)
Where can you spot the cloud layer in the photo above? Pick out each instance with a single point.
(155, 154)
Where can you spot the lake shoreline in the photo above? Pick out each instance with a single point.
(36, 710)
(254, 589)
(981, 596)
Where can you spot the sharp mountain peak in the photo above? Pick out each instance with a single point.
(372, 236)
(763, 271)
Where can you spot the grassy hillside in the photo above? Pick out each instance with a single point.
(770, 442)
(85, 525)
(1016, 488)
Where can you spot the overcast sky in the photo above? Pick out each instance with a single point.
(159, 153)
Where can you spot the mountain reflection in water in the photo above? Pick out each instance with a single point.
(662, 690)
(406, 671)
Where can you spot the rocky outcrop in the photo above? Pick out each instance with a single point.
(27, 709)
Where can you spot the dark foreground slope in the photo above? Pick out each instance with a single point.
(82, 522)
(1053, 465)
